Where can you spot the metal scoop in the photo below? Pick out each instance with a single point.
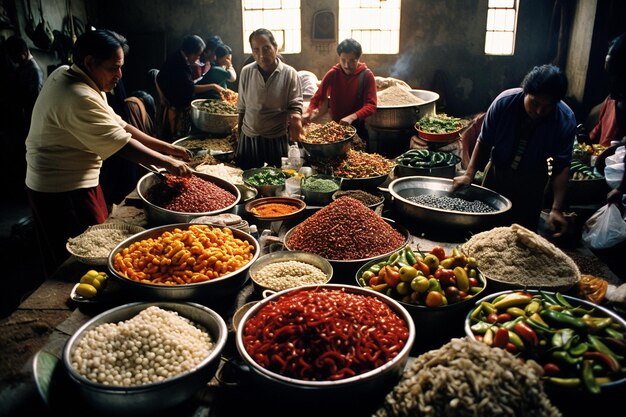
(155, 171)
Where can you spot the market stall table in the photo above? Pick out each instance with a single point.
(47, 319)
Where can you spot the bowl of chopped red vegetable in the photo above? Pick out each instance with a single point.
(328, 140)
(348, 340)
(580, 345)
(181, 199)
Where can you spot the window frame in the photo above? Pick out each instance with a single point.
(494, 28)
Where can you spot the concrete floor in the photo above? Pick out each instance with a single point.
(22, 270)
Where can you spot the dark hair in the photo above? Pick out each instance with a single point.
(16, 46)
(222, 51)
(546, 80)
(617, 52)
(349, 46)
(192, 44)
(102, 44)
(148, 101)
(213, 42)
(264, 32)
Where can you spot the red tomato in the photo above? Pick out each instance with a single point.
(434, 299)
(439, 252)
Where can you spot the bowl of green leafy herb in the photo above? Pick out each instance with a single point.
(268, 181)
(439, 128)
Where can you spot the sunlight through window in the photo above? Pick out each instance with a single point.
(375, 24)
(282, 17)
(501, 27)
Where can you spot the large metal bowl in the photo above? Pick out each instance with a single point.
(367, 183)
(158, 215)
(219, 124)
(403, 188)
(404, 116)
(345, 269)
(370, 386)
(542, 356)
(438, 325)
(149, 398)
(213, 289)
(333, 149)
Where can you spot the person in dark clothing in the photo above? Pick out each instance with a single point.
(28, 78)
(176, 88)
(524, 127)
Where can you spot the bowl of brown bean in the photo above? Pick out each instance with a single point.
(349, 341)
(183, 262)
(181, 199)
(181, 346)
(328, 140)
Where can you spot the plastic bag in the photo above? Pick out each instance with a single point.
(605, 228)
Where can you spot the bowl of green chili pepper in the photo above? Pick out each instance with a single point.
(580, 345)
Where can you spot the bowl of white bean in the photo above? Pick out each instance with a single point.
(142, 357)
(279, 271)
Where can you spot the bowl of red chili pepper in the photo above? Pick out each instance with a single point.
(580, 345)
(324, 343)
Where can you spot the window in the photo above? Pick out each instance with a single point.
(501, 27)
(282, 17)
(374, 23)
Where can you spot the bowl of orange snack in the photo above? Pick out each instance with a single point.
(183, 262)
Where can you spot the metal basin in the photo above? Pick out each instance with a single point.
(219, 124)
(214, 289)
(403, 188)
(333, 149)
(337, 394)
(286, 256)
(149, 398)
(447, 171)
(265, 190)
(158, 215)
(404, 116)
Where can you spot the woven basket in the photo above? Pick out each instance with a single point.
(131, 228)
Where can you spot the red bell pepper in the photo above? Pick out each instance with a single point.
(501, 338)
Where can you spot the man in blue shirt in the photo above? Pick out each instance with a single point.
(522, 129)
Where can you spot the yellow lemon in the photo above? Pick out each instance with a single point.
(88, 279)
(86, 290)
(92, 273)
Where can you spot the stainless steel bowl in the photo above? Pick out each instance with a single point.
(615, 386)
(159, 215)
(344, 269)
(403, 188)
(286, 256)
(368, 183)
(376, 383)
(404, 116)
(265, 190)
(330, 150)
(219, 124)
(318, 198)
(213, 289)
(149, 398)
(436, 325)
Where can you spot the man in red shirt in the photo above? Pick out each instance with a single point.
(350, 89)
